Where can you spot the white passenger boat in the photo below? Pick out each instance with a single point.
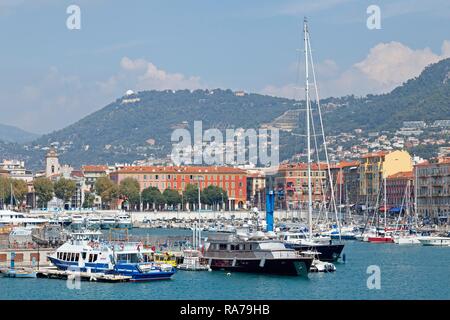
(78, 222)
(93, 222)
(108, 222)
(124, 221)
(8, 217)
(85, 252)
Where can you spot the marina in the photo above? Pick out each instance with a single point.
(402, 277)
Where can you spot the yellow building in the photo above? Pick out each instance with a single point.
(377, 166)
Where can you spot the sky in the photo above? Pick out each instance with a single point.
(51, 76)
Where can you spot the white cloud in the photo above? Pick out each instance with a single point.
(386, 66)
(56, 100)
(140, 74)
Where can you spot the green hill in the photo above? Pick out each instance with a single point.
(139, 126)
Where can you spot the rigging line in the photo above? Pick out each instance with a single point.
(333, 200)
(318, 164)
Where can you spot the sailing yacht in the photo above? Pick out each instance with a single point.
(327, 250)
(382, 236)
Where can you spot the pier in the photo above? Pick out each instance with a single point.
(50, 273)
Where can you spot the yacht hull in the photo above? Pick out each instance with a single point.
(327, 252)
(289, 267)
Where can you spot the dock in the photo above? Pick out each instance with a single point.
(83, 276)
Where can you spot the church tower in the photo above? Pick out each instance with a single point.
(52, 166)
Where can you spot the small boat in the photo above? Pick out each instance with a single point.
(18, 273)
(317, 265)
(165, 258)
(193, 261)
(124, 221)
(78, 222)
(435, 241)
(108, 222)
(381, 239)
(93, 222)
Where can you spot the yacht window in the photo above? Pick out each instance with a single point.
(64, 256)
(83, 255)
(77, 256)
(234, 247)
(222, 246)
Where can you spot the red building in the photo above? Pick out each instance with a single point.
(232, 180)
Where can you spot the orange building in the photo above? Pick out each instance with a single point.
(232, 180)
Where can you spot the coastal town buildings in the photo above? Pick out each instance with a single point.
(374, 167)
(400, 190)
(433, 188)
(232, 180)
(291, 185)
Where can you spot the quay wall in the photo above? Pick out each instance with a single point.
(203, 215)
(24, 257)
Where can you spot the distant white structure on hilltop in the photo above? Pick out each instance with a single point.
(129, 92)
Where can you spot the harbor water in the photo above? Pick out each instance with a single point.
(406, 272)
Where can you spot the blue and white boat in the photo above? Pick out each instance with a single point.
(84, 252)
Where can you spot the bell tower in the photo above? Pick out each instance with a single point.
(52, 166)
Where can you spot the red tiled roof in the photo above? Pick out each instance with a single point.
(94, 168)
(404, 174)
(375, 154)
(180, 169)
(345, 164)
(301, 166)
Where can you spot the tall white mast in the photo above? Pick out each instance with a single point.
(308, 138)
(385, 204)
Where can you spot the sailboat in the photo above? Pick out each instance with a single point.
(408, 236)
(327, 250)
(382, 236)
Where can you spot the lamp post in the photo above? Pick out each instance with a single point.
(199, 178)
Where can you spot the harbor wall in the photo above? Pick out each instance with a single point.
(203, 215)
(24, 257)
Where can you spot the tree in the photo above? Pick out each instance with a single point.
(20, 189)
(89, 199)
(129, 190)
(172, 197)
(152, 195)
(43, 189)
(5, 189)
(213, 195)
(65, 189)
(107, 190)
(191, 193)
